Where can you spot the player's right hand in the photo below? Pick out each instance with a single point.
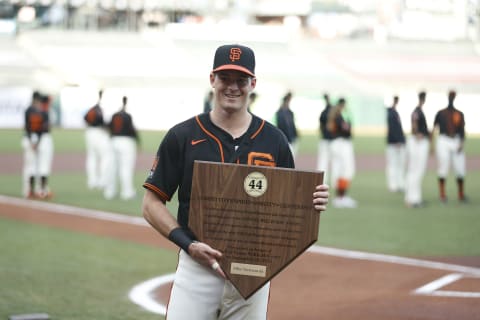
(206, 256)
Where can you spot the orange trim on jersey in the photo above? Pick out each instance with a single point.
(212, 136)
(258, 131)
(163, 196)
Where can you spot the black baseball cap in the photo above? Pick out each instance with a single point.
(234, 57)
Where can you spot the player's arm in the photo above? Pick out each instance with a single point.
(159, 217)
(33, 137)
(462, 133)
(435, 131)
(157, 214)
(87, 116)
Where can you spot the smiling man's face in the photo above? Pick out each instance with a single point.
(232, 89)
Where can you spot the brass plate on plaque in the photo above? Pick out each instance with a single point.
(260, 218)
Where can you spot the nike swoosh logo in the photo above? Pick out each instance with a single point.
(194, 142)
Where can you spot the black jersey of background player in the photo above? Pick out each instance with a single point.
(94, 116)
(325, 133)
(199, 139)
(418, 118)
(122, 125)
(342, 128)
(286, 123)
(394, 127)
(36, 121)
(451, 122)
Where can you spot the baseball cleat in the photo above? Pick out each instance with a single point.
(31, 195)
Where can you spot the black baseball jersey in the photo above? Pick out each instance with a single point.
(419, 122)
(326, 134)
(36, 121)
(122, 125)
(94, 117)
(395, 132)
(341, 128)
(286, 123)
(451, 122)
(199, 139)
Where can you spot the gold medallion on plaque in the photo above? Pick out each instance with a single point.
(255, 184)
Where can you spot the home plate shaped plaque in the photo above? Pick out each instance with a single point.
(260, 218)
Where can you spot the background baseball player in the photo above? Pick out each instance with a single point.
(285, 120)
(229, 133)
(207, 102)
(323, 155)
(418, 144)
(342, 156)
(396, 150)
(38, 148)
(251, 101)
(97, 142)
(450, 123)
(124, 139)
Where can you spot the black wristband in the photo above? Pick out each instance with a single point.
(180, 238)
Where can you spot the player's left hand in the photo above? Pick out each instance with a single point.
(320, 197)
(207, 256)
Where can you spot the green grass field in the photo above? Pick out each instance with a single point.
(77, 276)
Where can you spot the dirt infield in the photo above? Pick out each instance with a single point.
(322, 283)
(76, 162)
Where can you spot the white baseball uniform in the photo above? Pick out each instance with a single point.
(212, 293)
(418, 145)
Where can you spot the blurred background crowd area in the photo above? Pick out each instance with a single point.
(326, 19)
(159, 54)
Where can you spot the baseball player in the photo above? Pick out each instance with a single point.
(124, 138)
(251, 101)
(97, 144)
(38, 148)
(418, 144)
(396, 150)
(285, 120)
(342, 157)
(450, 123)
(229, 134)
(207, 102)
(323, 156)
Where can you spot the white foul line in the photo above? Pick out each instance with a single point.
(141, 294)
(437, 284)
(350, 254)
(431, 288)
(74, 211)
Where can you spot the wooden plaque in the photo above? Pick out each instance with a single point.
(260, 218)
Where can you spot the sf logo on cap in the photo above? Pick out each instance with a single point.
(235, 54)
